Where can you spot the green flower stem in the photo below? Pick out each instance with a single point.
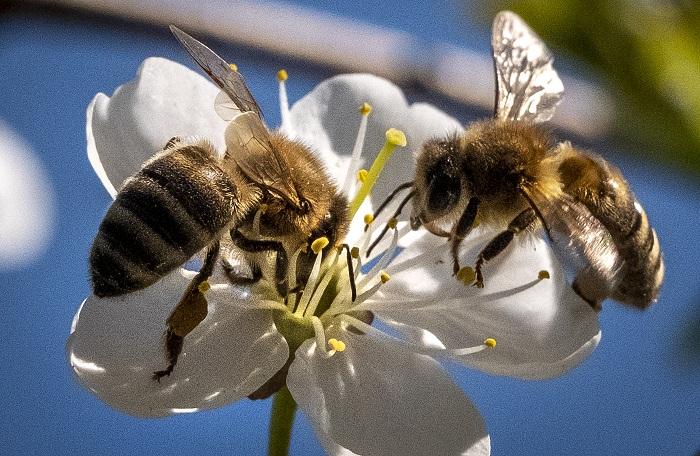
(281, 421)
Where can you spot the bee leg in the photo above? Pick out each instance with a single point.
(521, 222)
(189, 312)
(253, 246)
(461, 230)
(236, 279)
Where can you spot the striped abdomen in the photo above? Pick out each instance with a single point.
(171, 209)
(601, 187)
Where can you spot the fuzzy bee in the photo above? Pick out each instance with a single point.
(267, 197)
(508, 173)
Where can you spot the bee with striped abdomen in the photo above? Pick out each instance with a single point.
(508, 173)
(265, 199)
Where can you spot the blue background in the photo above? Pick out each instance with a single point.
(638, 394)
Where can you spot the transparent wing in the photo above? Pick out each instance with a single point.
(527, 86)
(219, 71)
(225, 107)
(579, 239)
(248, 146)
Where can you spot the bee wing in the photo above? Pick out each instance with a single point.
(579, 239)
(225, 107)
(248, 145)
(230, 81)
(527, 86)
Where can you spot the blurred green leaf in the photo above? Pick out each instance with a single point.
(649, 53)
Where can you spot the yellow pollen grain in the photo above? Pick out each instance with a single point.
(282, 75)
(365, 109)
(384, 277)
(368, 218)
(337, 345)
(543, 275)
(233, 66)
(203, 287)
(396, 137)
(490, 342)
(319, 244)
(392, 223)
(466, 275)
(362, 175)
(263, 208)
(355, 252)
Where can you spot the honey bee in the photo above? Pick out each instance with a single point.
(186, 199)
(507, 172)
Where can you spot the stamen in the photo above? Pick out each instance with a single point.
(233, 66)
(284, 103)
(319, 244)
(365, 109)
(351, 273)
(543, 275)
(319, 332)
(393, 220)
(490, 342)
(355, 252)
(389, 198)
(318, 293)
(394, 138)
(317, 247)
(368, 219)
(383, 261)
(292, 275)
(362, 175)
(384, 277)
(336, 346)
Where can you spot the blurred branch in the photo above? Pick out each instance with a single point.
(649, 52)
(352, 46)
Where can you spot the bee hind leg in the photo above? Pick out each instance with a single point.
(188, 313)
(520, 223)
(462, 229)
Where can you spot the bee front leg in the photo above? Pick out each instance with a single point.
(254, 246)
(520, 223)
(462, 229)
(189, 313)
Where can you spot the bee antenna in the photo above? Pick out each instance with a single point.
(389, 198)
(393, 217)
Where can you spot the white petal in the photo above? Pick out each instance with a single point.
(117, 343)
(328, 118)
(377, 398)
(26, 202)
(165, 100)
(542, 327)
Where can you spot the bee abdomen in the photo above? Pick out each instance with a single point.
(643, 269)
(165, 214)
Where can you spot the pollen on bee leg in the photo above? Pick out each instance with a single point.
(394, 138)
(466, 275)
(543, 274)
(204, 287)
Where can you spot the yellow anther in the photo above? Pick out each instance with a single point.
(362, 175)
(392, 223)
(396, 137)
(490, 342)
(263, 208)
(543, 275)
(282, 75)
(336, 345)
(466, 275)
(355, 252)
(319, 244)
(384, 277)
(365, 109)
(368, 218)
(233, 66)
(203, 287)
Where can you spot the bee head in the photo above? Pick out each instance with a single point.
(438, 182)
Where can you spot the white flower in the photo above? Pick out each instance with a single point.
(367, 389)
